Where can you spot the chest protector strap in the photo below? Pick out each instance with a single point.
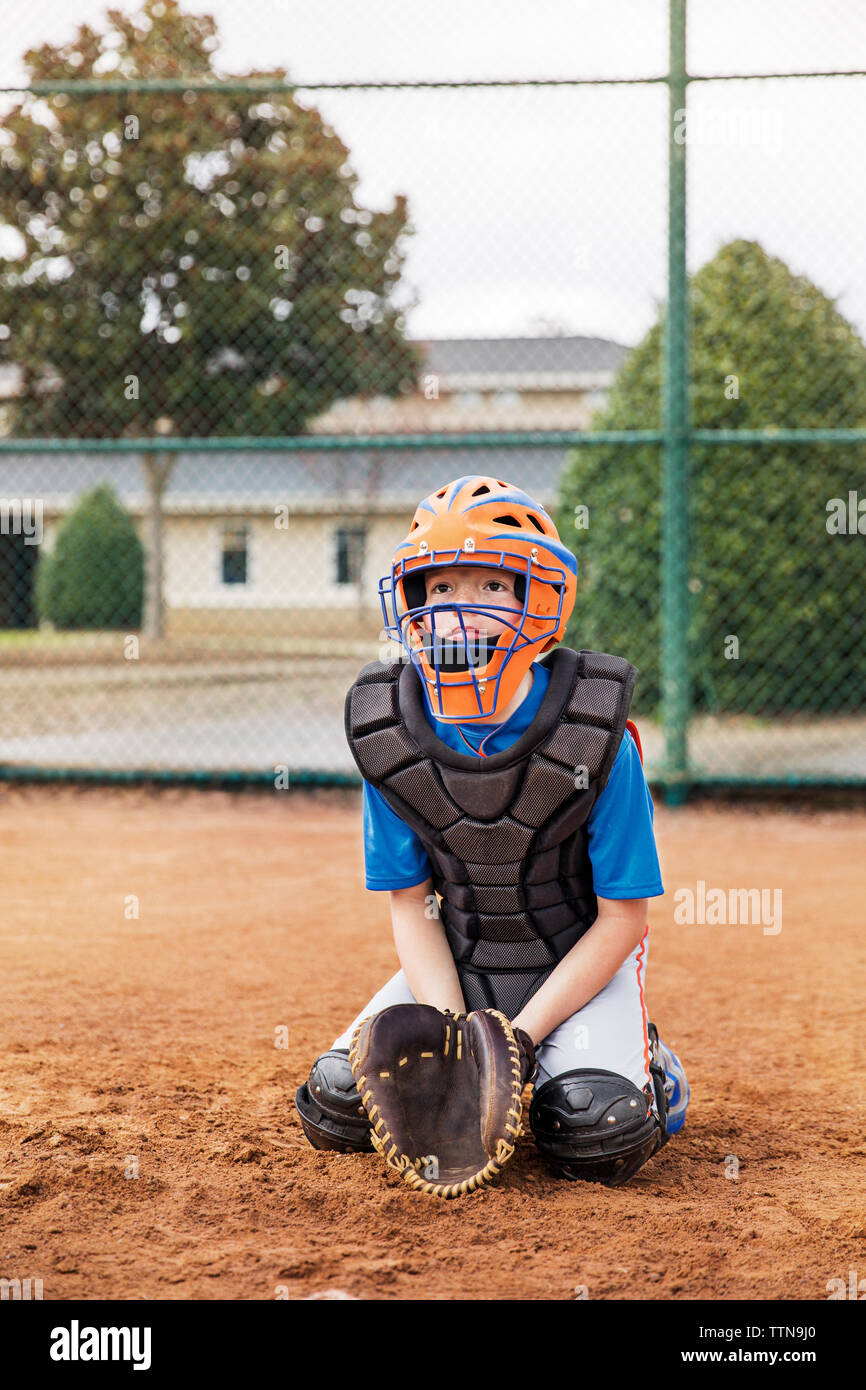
(506, 834)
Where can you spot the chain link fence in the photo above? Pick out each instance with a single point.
(246, 324)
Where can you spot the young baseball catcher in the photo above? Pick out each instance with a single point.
(507, 813)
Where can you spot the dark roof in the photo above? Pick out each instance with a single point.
(458, 356)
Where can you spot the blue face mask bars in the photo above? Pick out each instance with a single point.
(457, 655)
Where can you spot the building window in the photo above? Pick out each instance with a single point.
(235, 549)
(507, 400)
(349, 543)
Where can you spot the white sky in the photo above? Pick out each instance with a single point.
(545, 204)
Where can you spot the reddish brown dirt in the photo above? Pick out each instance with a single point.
(152, 1041)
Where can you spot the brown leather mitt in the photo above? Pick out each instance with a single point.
(442, 1092)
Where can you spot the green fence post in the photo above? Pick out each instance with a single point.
(675, 501)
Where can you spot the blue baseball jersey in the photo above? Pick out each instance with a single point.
(621, 842)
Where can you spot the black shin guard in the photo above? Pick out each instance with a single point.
(332, 1116)
(595, 1126)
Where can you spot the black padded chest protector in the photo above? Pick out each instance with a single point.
(505, 834)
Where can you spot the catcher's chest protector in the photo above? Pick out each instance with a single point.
(506, 834)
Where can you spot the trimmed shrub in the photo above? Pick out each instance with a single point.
(94, 577)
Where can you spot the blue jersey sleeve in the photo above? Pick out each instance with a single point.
(622, 847)
(394, 857)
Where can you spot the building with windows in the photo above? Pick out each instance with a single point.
(291, 545)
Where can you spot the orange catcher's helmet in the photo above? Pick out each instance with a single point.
(478, 521)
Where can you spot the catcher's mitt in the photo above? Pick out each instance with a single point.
(442, 1092)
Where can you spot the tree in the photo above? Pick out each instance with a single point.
(769, 349)
(199, 256)
(94, 576)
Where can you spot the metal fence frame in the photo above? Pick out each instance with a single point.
(675, 438)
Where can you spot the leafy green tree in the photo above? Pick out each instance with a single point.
(769, 350)
(199, 256)
(94, 576)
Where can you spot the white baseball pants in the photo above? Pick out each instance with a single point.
(609, 1032)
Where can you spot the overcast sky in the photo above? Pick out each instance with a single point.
(548, 206)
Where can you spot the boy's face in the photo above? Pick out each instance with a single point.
(469, 584)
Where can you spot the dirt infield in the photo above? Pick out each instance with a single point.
(149, 1146)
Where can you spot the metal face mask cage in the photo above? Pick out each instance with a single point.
(401, 626)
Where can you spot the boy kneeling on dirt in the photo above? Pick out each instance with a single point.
(507, 813)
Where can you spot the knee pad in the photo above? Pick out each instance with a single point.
(595, 1126)
(332, 1116)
